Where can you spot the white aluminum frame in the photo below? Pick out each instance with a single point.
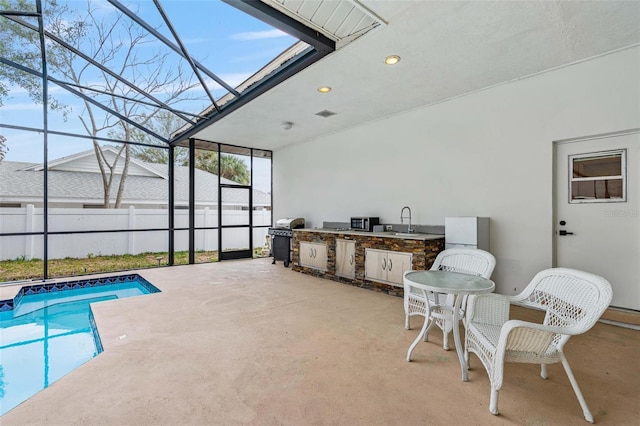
(623, 176)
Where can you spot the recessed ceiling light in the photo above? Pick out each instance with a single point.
(286, 125)
(324, 89)
(392, 60)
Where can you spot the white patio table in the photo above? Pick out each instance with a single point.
(455, 283)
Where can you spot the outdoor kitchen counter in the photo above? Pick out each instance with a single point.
(321, 257)
(386, 234)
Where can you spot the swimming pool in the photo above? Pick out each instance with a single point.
(48, 330)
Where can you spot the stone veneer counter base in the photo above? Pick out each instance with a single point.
(423, 247)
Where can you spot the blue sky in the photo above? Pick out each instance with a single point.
(230, 43)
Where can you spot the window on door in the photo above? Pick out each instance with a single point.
(597, 177)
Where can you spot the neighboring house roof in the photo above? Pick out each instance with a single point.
(77, 179)
(86, 161)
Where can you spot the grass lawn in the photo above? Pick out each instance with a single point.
(12, 270)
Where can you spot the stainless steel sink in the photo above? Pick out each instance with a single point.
(406, 234)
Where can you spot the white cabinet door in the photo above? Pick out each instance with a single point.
(320, 256)
(313, 255)
(375, 265)
(397, 264)
(306, 254)
(386, 266)
(346, 258)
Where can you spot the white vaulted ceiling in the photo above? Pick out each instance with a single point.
(448, 49)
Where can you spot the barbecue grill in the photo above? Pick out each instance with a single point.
(281, 235)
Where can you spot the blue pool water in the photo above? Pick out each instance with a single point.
(47, 330)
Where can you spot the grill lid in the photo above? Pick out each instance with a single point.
(290, 222)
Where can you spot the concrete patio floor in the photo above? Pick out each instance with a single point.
(247, 342)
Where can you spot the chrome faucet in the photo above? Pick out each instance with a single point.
(402, 217)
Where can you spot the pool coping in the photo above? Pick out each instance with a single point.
(55, 287)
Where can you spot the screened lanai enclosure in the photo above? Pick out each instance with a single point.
(99, 166)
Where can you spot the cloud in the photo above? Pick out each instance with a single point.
(234, 79)
(28, 146)
(259, 35)
(196, 40)
(16, 90)
(263, 56)
(22, 107)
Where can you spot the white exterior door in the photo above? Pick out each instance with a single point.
(597, 211)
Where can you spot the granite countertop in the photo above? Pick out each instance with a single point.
(386, 234)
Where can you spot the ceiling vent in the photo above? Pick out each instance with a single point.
(326, 113)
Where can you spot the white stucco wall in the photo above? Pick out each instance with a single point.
(485, 154)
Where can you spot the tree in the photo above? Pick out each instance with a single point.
(163, 123)
(21, 45)
(115, 42)
(232, 168)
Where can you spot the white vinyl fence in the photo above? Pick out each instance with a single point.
(31, 219)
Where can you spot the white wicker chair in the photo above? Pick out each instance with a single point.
(572, 300)
(438, 308)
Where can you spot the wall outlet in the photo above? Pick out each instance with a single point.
(388, 227)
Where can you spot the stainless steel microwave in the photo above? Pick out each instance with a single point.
(364, 223)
